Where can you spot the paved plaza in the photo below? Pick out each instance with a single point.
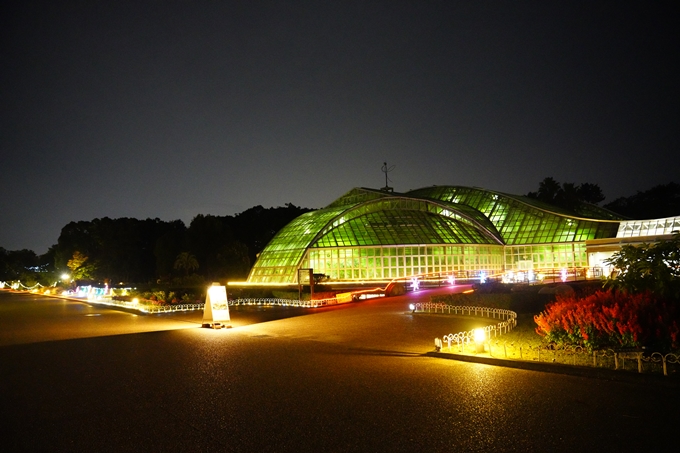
(355, 378)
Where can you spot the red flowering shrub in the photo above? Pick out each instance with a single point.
(611, 319)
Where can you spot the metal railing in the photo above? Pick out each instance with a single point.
(431, 307)
(639, 360)
(145, 308)
(285, 302)
(466, 338)
(173, 308)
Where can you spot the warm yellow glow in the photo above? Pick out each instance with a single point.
(135, 301)
(47, 293)
(468, 291)
(479, 335)
(260, 284)
(216, 293)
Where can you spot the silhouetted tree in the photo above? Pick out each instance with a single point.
(590, 193)
(187, 262)
(256, 226)
(567, 195)
(658, 202)
(168, 246)
(19, 265)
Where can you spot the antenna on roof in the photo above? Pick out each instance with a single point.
(386, 170)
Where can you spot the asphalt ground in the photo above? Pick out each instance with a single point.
(358, 377)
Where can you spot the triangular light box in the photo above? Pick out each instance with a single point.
(216, 308)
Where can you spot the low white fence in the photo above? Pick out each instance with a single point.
(172, 308)
(145, 308)
(463, 340)
(639, 360)
(285, 302)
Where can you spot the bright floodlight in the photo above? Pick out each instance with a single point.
(65, 276)
(412, 307)
(479, 340)
(479, 335)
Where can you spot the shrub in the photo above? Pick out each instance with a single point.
(611, 319)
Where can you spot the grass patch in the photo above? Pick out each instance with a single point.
(524, 332)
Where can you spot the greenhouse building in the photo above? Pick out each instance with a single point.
(444, 232)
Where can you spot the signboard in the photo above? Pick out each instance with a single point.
(342, 298)
(216, 308)
(306, 277)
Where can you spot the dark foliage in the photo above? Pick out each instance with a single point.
(257, 226)
(136, 251)
(567, 195)
(658, 202)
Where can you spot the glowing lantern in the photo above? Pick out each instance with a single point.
(480, 337)
(216, 308)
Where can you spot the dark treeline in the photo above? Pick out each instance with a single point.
(658, 202)
(129, 250)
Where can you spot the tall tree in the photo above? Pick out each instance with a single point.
(590, 193)
(549, 190)
(658, 202)
(568, 195)
(81, 269)
(186, 262)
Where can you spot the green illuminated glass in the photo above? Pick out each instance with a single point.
(373, 235)
(522, 220)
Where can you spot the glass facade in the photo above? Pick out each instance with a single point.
(638, 228)
(369, 235)
(521, 220)
(545, 256)
(390, 262)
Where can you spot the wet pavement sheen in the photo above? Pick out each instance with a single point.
(350, 378)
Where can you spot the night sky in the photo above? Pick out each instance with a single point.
(171, 109)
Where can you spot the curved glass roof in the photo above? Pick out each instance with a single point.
(401, 220)
(363, 217)
(522, 220)
(432, 215)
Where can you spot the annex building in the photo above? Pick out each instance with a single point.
(448, 232)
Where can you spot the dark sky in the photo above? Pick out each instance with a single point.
(171, 109)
